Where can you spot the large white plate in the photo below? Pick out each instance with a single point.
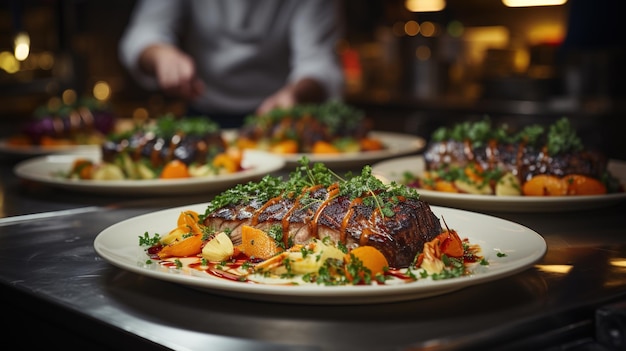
(393, 170)
(36, 150)
(397, 144)
(43, 169)
(119, 244)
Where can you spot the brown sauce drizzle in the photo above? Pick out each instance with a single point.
(270, 202)
(333, 190)
(343, 235)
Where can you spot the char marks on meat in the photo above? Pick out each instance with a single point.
(325, 211)
(520, 159)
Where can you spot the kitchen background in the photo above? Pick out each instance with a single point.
(410, 71)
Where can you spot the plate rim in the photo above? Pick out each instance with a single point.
(270, 163)
(323, 294)
(510, 203)
(403, 144)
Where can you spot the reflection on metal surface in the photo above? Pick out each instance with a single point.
(554, 268)
(44, 215)
(618, 262)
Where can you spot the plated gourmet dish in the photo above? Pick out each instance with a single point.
(328, 128)
(58, 124)
(164, 148)
(478, 158)
(315, 228)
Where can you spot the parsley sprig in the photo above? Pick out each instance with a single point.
(373, 191)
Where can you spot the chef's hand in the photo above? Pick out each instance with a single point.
(174, 70)
(306, 90)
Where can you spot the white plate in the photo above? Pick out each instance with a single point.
(393, 170)
(43, 168)
(397, 144)
(119, 244)
(36, 150)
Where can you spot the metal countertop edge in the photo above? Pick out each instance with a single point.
(44, 215)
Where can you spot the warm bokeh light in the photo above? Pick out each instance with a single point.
(546, 33)
(140, 114)
(425, 5)
(398, 29)
(530, 3)
(45, 60)
(618, 262)
(69, 97)
(54, 103)
(22, 46)
(8, 62)
(479, 39)
(428, 29)
(101, 91)
(411, 28)
(423, 53)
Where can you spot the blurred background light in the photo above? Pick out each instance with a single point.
(529, 3)
(425, 5)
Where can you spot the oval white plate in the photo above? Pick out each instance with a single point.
(397, 144)
(43, 169)
(119, 244)
(393, 170)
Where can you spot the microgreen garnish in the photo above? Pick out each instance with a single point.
(146, 240)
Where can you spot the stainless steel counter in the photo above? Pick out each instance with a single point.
(61, 293)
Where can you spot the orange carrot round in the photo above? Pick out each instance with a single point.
(175, 169)
(370, 257)
(583, 185)
(544, 185)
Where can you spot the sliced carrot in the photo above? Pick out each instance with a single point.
(245, 143)
(545, 185)
(175, 169)
(474, 172)
(324, 147)
(450, 244)
(236, 155)
(225, 162)
(583, 185)
(50, 141)
(370, 144)
(442, 185)
(83, 168)
(256, 243)
(190, 219)
(288, 146)
(370, 257)
(189, 246)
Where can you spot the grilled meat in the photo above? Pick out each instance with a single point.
(190, 139)
(346, 217)
(520, 158)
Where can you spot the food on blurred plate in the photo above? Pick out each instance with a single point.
(478, 158)
(86, 122)
(166, 147)
(329, 128)
(315, 228)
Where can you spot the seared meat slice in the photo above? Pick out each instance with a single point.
(399, 237)
(232, 218)
(272, 213)
(299, 221)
